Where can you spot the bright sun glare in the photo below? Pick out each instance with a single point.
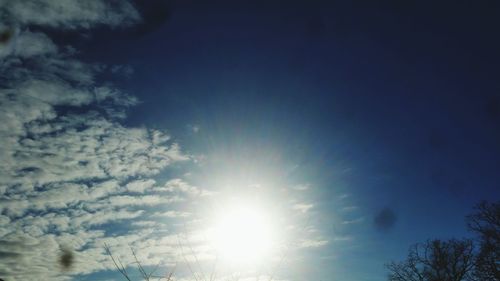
(243, 235)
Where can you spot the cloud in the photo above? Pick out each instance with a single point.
(32, 44)
(350, 208)
(194, 128)
(176, 186)
(140, 186)
(125, 70)
(312, 243)
(173, 214)
(70, 14)
(301, 187)
(74, 177)
(69, 166)
(353, 221)
(303, 208)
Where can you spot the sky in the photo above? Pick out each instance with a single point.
(358, 128)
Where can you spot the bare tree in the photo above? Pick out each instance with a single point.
(144, 275)
(486, 223)
(436, 260)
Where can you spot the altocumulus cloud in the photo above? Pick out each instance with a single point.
(63, 177)
(72, 176)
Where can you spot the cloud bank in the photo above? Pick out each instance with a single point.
(69, 167)
(73, 177)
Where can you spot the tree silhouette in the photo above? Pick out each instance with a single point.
(146, 276)
(457, 260)
(436, 260)
(486, 223)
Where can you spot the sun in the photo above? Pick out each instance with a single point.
(244, 234)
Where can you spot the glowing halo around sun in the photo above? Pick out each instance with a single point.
(243, 234)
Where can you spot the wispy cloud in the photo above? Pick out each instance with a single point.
(70, 14)
(350, 208)
(312, 243)
(304, 208)
(354, 221)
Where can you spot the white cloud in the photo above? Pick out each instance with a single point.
(64, 177)
(172, 214)
(194, 128)
(344, 196)
(301, 187)
(139, 186)
(354, 221)
(303, 208)
(125, 70)
(70, 14)
(27, 44)
(350, 208)
(312, 243)
(179, 186)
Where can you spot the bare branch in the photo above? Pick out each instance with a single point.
(435, 260)
(118, 265)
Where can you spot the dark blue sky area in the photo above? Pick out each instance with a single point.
(394, 102)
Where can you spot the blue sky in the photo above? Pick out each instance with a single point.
(361, 128)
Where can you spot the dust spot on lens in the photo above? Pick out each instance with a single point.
(6, 35)
(385, 219)
(66, 258)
